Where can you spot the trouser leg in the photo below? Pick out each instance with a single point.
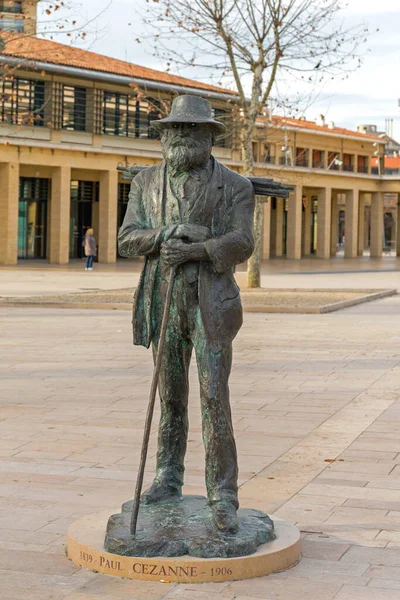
(219, 442)
(174, 392)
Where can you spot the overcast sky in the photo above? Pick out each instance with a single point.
(369, 95)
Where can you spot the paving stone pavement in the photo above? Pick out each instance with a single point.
(316, 407)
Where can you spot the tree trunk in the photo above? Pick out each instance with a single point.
(253, 265)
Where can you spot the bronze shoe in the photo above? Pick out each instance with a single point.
(225, 517)
(160, 491)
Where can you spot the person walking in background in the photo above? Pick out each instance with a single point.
(89, 243)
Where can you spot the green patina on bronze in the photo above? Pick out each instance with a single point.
(185, 527)
(194, 215)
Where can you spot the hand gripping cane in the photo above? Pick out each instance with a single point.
(150, 409)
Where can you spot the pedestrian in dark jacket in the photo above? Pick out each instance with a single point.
(89, 243)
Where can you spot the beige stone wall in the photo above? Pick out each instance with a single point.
(90, 156)
(30, 14)
(9, 186)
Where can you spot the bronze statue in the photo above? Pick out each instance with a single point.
(192, 212)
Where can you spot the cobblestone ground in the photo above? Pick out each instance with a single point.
(316, 405)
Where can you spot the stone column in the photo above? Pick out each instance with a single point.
(266, 239)
(351, 224)
(108, 210)
(306, 225)
(398, 227)
(279, 227)
(324, 223)
(9, 197)
(294, 223)
(272, 243)
(361, 223)
(60, 209)
(393, 236)
(334, 223)
(376, 224)
(276, 229)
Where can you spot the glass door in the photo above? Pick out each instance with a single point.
(83, 193)
(123, 199)
(32, 217)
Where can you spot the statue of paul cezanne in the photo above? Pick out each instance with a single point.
(191, 211)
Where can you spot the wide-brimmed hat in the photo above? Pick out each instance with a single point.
(190, 109)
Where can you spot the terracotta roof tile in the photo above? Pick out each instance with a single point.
(304, 124)
(36, 49)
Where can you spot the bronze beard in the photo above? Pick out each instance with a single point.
(183, 153)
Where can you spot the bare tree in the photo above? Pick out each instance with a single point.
(254, 45)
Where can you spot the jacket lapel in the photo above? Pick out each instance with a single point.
(156, 196)
(203, 211)
(216, 197)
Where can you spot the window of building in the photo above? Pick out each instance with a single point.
(348, 162)
(269, 151)
(7, 6)
(119, 114)
(287, 156)
(318, 159)
(11, 24)
(125, 115)
(333, 157)
(74, 108)
(22, 102)
(362, 164)
(301, 157)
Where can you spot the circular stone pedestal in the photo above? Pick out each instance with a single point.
(86, 549)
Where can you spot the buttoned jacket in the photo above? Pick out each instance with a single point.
(227, 208)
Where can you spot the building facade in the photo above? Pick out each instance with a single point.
(69, 117)
(18, 17)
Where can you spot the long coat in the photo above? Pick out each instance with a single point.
(89, 243)
(227, 208)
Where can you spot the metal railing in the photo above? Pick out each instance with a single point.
(270, 159)
(318, 164)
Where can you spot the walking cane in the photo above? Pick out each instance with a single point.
(150, 409)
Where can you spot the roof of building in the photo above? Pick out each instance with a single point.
(311, 125)
(36, 49)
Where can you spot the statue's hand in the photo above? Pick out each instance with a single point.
(192, 233)
(176, 252)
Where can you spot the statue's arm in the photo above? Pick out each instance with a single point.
(237, 244)
(136, 237)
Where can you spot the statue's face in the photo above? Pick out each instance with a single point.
(186, 146)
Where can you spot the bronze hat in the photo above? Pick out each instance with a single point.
(190, 109)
